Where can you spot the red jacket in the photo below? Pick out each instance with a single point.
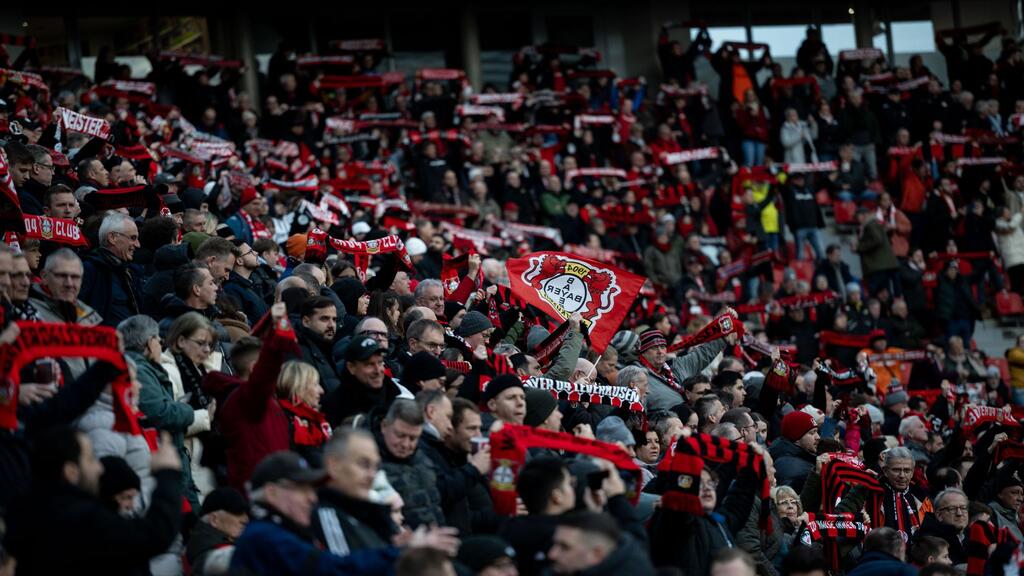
(252, 422)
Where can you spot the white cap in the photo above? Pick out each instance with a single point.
(360, 228)
(415, 247)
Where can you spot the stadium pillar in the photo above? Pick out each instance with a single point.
(74, 42)
(863, 24)
(243, 46)
(471, 46)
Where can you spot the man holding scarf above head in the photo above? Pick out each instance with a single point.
(665, 381)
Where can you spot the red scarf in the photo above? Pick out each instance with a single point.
(309, 426)
(508, 454)
(316, 248)
(259, 230)
(45, 339)
(615, 396)
(60, 230)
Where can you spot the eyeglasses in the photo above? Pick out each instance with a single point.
(431, 345)
(47, 166)
(955, 509)
(787, 503)
(201, 343)
(374, 334)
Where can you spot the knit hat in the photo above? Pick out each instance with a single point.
(248, 195)
(451, 308)
(876, 415)
(651, 339)
(535, 337)
(625, 341)
(612, 429)
(360, 228)
(227, 499)
(296, 245)
(480, 552)
(194, 239)
(419, 367)
(895, 397)
(539, 405)
(796, 424)
(1007, 477)
(117, 477)
(474, 323)
(499, 385)
(415, 247)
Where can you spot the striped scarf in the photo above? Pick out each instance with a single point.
(665, 373)
(980, 536)
(829, 529)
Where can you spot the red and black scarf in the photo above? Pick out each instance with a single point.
(721, 326)
(615, 396)
(664, 372)
(980, 536)
(829, 529)
(508, 455)
(841, 473)
(681, 470)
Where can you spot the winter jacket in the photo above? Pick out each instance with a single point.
(793, 138)
(629, 557)
(80, 313)
(761, 546)
(875, 249)
(792, 463)
(665, 267)
(882, 564)
(1007, 518)
(688, 541)
(156, 401)
(931, 526)
(250, 420)
(802, 211)
(1010, 235)
(416, 480)
(273, 545)
(98, 424)
(109, 286)
(344, 524)
(204, 540)
(953, 300)
(65, 530)
(352, 397)
(454, 483)
(317, 351)
(660, 396)
(243, 291)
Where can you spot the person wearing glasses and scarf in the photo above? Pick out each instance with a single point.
(189, 355)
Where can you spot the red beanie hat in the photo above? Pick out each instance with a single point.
(248, 195)
(796, 424)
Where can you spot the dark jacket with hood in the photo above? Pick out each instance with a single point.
(246, 293)
(166, 260)
(110, 286)
(792, 463)
(349, 291)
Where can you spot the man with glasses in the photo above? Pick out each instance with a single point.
(21, 281)
(903, 505)
(430, 293)
(40, 176)
(373, 327)
(239, 285)
(949, 523)
(108, 284)
(423, 336)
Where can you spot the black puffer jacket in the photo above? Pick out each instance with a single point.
(414, 478)
(792, 463)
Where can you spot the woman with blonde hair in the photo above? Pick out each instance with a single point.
(298, 394)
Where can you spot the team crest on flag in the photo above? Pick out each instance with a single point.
(565, 284)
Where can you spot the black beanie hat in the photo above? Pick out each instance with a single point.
(539, 405)
(419, 367)
(117, 477)
(499, 385)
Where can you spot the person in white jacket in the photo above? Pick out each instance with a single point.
(189, 355)
(795, 134)
(1010, 236)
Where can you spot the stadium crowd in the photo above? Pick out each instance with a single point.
(282, 337)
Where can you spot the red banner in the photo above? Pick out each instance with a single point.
(563, 284)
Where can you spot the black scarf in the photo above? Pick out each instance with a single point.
(192, 381)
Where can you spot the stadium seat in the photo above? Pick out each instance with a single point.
(844, 211)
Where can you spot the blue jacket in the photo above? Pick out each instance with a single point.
(273, 545)
(241, 228)
(882, 564)
(110, 286)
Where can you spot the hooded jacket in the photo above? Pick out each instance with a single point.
(166, 260)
